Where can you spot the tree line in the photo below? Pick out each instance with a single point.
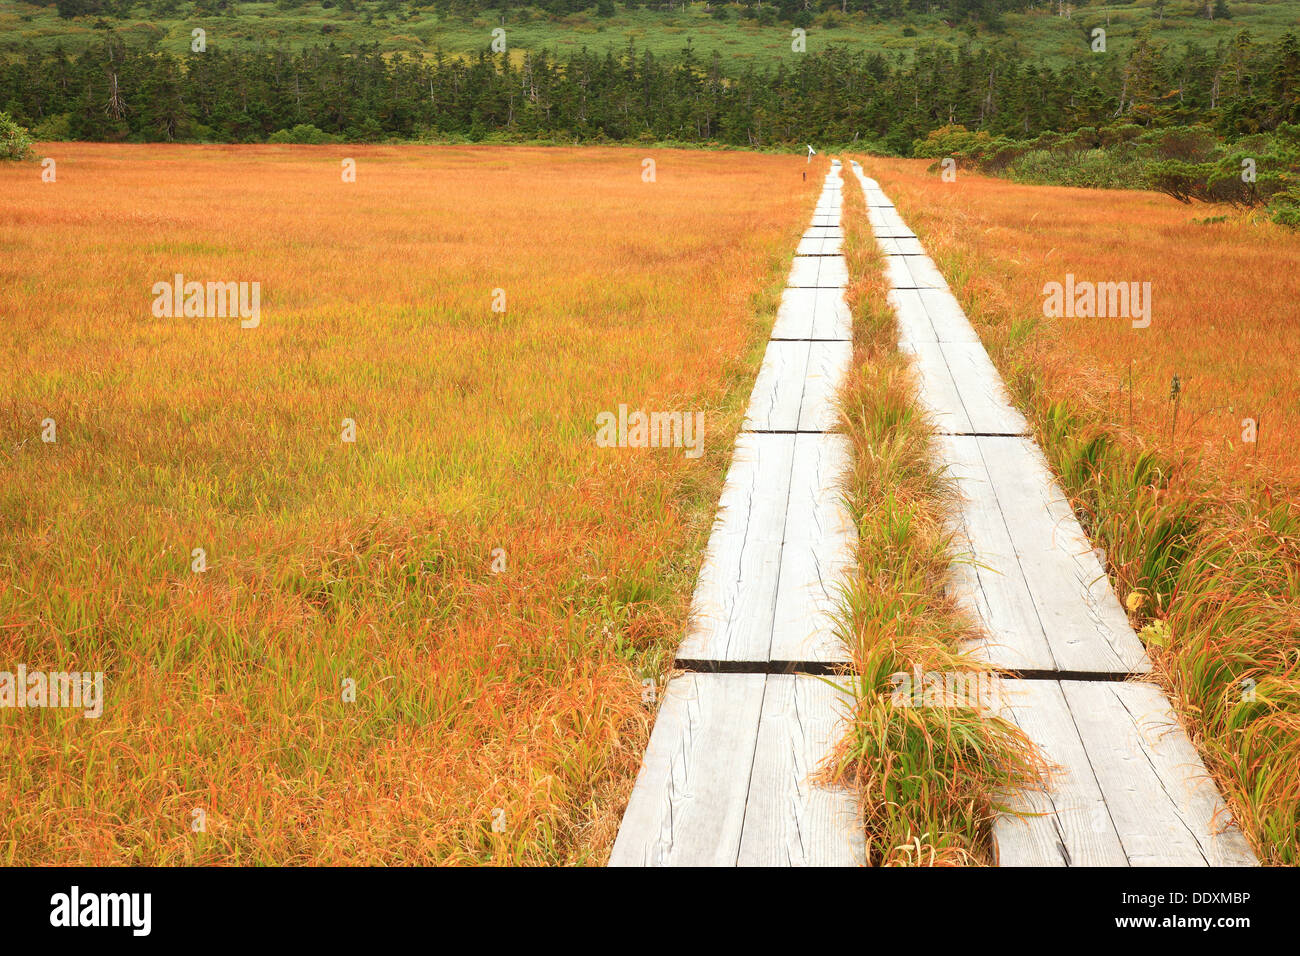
(116, 92)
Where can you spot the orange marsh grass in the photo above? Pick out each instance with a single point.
(372, 561)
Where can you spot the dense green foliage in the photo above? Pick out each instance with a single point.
(787, 11)
(752, 33)
(115, 91)
(14, 141)
(1185, 162)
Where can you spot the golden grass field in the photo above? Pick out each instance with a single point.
(1225, 315)
(371, 561)
(498, 586)
(1201, 530)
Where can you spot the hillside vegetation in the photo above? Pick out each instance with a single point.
(743, 35)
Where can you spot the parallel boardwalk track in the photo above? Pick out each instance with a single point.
(727, 776)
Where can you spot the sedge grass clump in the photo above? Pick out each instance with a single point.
(929, 776)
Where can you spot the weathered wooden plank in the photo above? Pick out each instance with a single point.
(913, 272)
(777, 399)
(960, 389)
(888, 224)
(936, 390)
(818, 272)
(803, 272)
(1068, 824)
(986, 577)
(823, 232)
(930, 315)
(900, 247)
(1080, 614)
(832, 319)
(726, 777)
(946, 316)
(789, 821)
(796, 316)
(981, 390)
(832, 272)
(688, 805)
(828, 364)
(819, 247)
(1127, 788)
(894, 223)
(1158, 793)
(897, 274)
(735, 595)
(818, 554)
(812, 314)
(797, 386)
(914, 323)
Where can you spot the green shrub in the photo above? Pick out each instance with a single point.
(53, 129)
(956, 141)
(302, 133)
(1187, 163)
(15, 142)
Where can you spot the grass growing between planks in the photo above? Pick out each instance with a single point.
(930, 776)
(495, 584)
(1201, 531)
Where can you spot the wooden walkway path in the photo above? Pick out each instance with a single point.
(745, 722)
(726, 776)
(1128, 787)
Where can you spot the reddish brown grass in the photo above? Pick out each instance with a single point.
(476, 691)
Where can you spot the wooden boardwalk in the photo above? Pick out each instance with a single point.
(727, 775)
(1128, 788)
